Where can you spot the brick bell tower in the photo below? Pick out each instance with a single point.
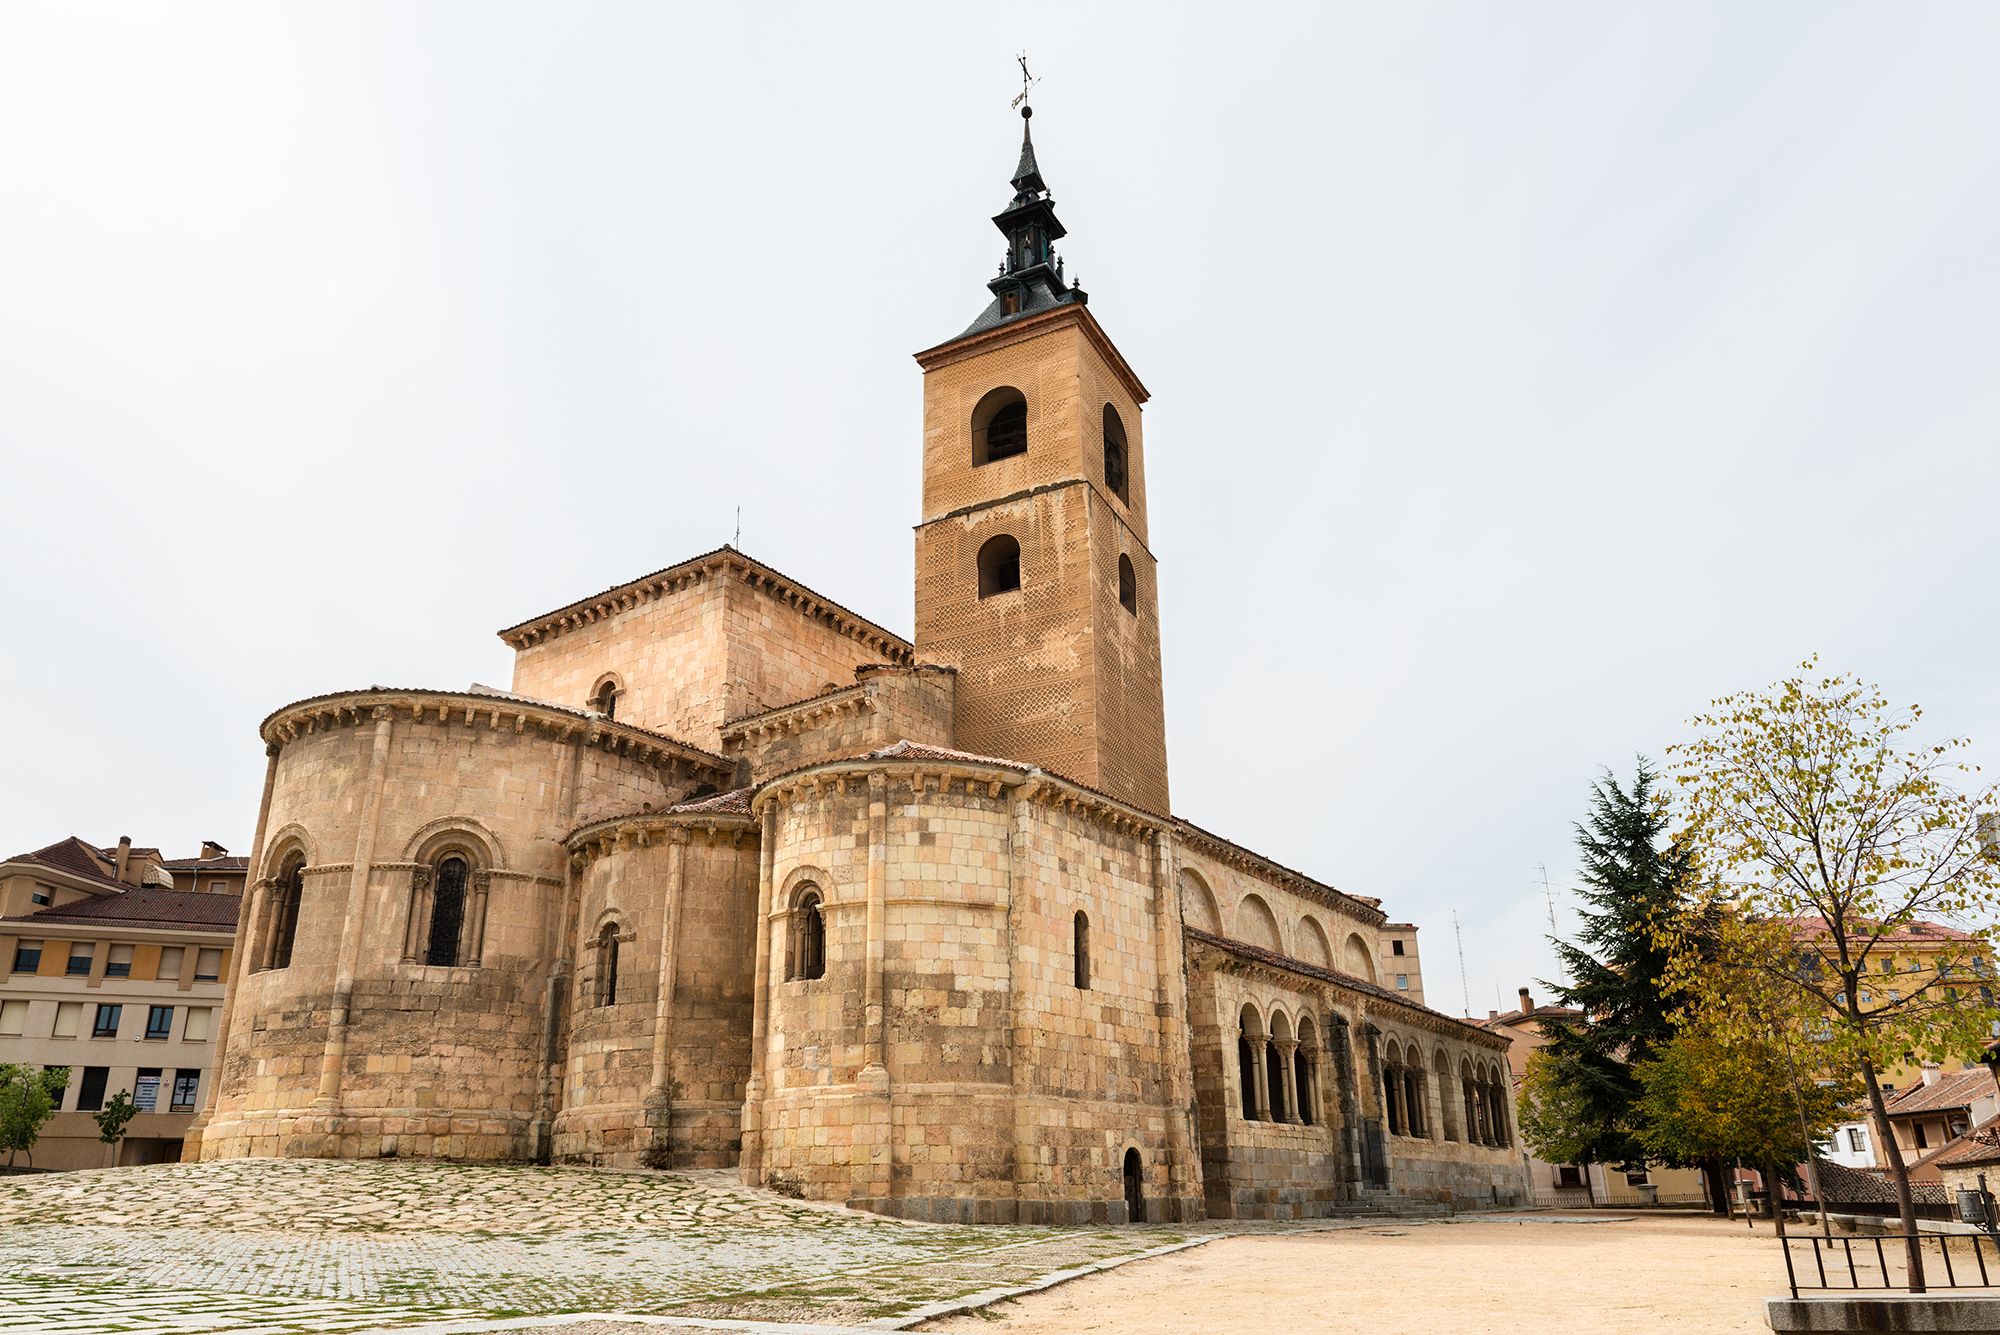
(1034, 578)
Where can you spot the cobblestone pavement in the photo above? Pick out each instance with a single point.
(251, 1247)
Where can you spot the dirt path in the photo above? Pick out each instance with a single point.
(1650, 1274)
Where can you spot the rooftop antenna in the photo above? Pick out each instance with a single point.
(1464, 988)
(1549, 895)
(737, 541)
(1027, 81)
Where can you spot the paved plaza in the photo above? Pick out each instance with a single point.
(318, 1247)
(255, 1246)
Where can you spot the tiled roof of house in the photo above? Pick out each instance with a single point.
(1840, 1184)
(144, 906)
(1979, 1145)
(1917, 932)
(76, 857)
(1956, 1090)
(1556, 1013)
(207, 864)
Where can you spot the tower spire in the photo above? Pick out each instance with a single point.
(1031, 276)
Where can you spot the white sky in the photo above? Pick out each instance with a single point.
(1525, 375)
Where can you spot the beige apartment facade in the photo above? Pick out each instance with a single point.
(732, 876)
(1571, 1186)
(123, 984)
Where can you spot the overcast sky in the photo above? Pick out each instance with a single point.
(1524, 375)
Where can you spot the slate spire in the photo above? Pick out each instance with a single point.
(1031, 276)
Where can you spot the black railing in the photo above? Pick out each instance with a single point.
(1880, 1262)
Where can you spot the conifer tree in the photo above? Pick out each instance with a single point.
(1633, 879)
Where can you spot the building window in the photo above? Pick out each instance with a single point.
(1856, 1142)
(1402, 982)
(146, 1089)
(1128, 585)
(27, 957)
(13, 1017)
(171, 959)
(90, 1094)
(607, 965)
(1922, 1142)
(118, 964)
(605, 698)
(284, 912)
(448, 911)
(999, 566)
(207, 965)
(196, 1028)
(1081, 951)
(159, 1021)
(218, 887)
(69, 1018)
(1569, 1175)
(42, 897)
(1115, 471)
(1396, 946)
(80, 956)
(106, 1023)
(999, 426)
(187, 1090)
(807, 948)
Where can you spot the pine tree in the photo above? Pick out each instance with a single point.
(1633, 880)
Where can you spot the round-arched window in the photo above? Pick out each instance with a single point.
(999, 566)
(999, 426)
(1116, 472)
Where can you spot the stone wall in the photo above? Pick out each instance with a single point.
(884, 706)
(947, 1066)
(357, 1047)
(1056, 673)
(1310, 1149)
(647, 1083)
(715, 639)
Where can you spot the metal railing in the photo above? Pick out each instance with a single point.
(1879, 1262)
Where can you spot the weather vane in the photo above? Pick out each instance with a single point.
(1027, 81)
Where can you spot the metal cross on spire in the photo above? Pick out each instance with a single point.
(1027, 81)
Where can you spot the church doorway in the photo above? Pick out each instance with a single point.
(1135, 1189)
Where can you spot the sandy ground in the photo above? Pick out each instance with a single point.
(1650, 1273)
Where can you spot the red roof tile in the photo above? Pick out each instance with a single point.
(144, 906)
(74, 856)
(1956, 1090)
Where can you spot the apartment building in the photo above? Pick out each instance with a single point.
(116, 974)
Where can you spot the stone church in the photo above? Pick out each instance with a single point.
(733, 876)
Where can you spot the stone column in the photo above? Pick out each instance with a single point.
(1288, 1079)
(334, 1058)
(659, 1090)
(1260, 1093)
(760, 1005)
(417, 931)
(1176, 1036)
(874, 1076)
(473, 939)
(239, 969)
(1347, 1103)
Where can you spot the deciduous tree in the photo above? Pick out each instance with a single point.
(1824, 828)
(28, 1098)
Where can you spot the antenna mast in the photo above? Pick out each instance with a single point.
(1548, 895)
(1464, 988)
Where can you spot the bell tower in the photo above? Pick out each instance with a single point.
(1034, 577)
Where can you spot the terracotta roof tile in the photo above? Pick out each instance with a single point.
(76, 857)
(208, 864)
(144, 906)
(1956, 1090)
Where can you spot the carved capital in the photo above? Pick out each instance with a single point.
(420, 878)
